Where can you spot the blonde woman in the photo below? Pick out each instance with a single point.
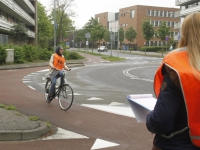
(175, 119)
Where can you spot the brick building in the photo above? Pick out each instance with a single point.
(133, 16)
(15, 11)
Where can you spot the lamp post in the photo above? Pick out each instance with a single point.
(54, 25)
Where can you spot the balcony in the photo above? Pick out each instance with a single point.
(5, 25)
(183, 2)
(187, 11)
(16, 11)
(26, 5)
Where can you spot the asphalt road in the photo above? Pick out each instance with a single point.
(99, 85)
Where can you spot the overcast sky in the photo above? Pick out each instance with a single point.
(85, 9)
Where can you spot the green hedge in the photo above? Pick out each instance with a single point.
(153, 48)
(3, 55)
(30, 53)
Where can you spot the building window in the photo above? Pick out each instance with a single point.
(98, 19)
(152, 12)
(168, 24)
(132, 13)
(165, 13)
(172, 24)
(152, 22)
(156, 23)
(157, 13)
(148, 13)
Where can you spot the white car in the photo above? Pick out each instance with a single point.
(102, 49)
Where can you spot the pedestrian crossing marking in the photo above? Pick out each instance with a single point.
(94, 98)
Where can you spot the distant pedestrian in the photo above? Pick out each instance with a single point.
(175, 119)
(171, 48)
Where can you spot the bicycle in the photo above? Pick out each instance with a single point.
(63, 92)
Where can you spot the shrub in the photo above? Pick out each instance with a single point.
(19, 55)
(152, 48)
(3, 55)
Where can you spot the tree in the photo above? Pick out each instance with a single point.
(148, 30)
(19, 33)
(63, 22)
(79, 36)
(130, 35)
(98, 32)
(88, 27)
(121, 35)
(162, 32)
(45, 27)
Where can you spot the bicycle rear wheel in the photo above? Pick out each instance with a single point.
(47, 89)
(66, 97)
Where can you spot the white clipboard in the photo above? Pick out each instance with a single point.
(141, 104)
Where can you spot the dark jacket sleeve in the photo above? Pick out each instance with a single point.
(162, 119)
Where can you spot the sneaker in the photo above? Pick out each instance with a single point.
(49, 99)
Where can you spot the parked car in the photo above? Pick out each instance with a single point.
(102, 49)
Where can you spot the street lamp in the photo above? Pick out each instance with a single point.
(54, 25)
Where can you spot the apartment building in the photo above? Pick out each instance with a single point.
(15, 11)
(186, 7)
(133, 16)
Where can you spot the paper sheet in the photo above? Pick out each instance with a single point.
(141, 104)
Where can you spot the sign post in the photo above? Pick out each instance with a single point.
(87, 35)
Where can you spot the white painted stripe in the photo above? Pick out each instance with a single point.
(31, 87)
(77, 94)
(116, 104)
(27, 81)
(65, 134)
(99, 143)
(43, 70)
(119, 110)
(94, 98)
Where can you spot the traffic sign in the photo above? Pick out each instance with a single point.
(167, 38)
(87, 35)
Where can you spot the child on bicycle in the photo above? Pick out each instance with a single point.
(57, 64)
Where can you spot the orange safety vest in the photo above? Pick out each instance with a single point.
(190, 85)
(58, 61)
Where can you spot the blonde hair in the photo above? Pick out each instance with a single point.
(190, 38)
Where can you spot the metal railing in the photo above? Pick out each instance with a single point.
(187, 11)
(28, 3)
(5, 25)
(15, 7)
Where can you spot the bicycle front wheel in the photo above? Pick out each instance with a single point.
(47, 89)
(66, 97)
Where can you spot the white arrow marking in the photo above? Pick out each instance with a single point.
(65, 134)
(99, 143)
(94, 98)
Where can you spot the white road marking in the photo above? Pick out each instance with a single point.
(99, 143)
(94, 98)
(126, 73)
(65, 134)
(43, 70)
(27, 81)
(31, 87)
(119, 110)
(116, 104)
(77, 94)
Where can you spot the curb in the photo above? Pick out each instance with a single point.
(23, 135)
